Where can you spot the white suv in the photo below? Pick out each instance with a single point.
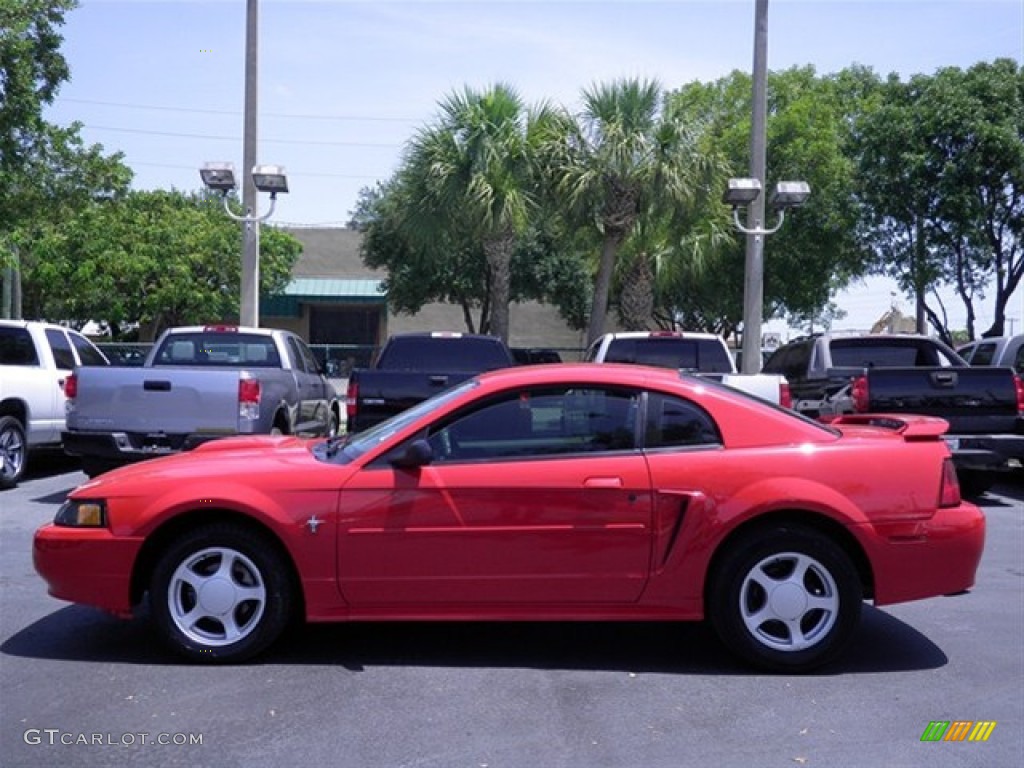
(35, 359)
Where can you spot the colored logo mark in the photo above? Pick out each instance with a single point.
(958, 730)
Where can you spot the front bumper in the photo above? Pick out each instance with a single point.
(90, 566)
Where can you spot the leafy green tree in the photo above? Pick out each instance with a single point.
(45, 170)
(455, 271)
(817, 252)
(468, 179)
(941, 161)
(626, 160)
(157, 258)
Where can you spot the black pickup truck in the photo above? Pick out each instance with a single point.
(412, 367)
(835, 375)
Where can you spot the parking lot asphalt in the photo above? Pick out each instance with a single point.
(80, 688)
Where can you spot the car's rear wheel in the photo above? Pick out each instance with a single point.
(786, 599)
(13, 451)
(221, 593)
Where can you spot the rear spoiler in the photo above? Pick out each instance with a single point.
(912, 427)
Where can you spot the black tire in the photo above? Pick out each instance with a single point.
(13, 451)
(224, 625)
(94, 467)
(333, 424)
(975, 482)
(780, 629)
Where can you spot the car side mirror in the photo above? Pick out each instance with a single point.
(418, 453)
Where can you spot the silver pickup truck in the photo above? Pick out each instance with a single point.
(198, 383)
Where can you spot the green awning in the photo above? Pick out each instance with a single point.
(322, 290)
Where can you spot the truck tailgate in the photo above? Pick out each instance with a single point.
(382, 394)
(972, 400)
(169, 400)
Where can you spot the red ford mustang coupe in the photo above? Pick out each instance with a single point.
(558, 492)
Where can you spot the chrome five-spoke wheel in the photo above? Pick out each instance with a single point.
(222, 592)
(789, 601)
(217, 596)
(786, 598)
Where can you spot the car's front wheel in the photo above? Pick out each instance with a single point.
(221, 593)
(786, 599)
(13, 451)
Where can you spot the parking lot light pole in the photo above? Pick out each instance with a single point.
(746, 193)
(220, 177)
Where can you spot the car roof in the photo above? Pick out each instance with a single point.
(39, 323)
(222, 328)
(626, 374)
(662, 335)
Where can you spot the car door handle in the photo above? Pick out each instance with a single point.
(603, 482)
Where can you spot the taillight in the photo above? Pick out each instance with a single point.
(785, 396)
(949, 492)
(860, 394)
(249, 392)
(71, 386)
(351, 400)
(1019, 382)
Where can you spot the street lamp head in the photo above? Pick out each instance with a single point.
(219, 177)
(790, 194)
(270, 178)
(740, 192)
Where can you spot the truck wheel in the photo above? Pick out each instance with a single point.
(975, 482)
(221, 593)
(13, 451)
(93, 467)
(785, 599)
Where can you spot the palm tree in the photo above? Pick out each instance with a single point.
(627, 159)
(471, 177)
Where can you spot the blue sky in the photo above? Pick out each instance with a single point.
(345, 83)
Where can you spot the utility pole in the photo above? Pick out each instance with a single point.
(753, 284)
(249, 309)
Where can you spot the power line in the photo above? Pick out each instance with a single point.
(211, 137)
(290, 172)
(194, 110)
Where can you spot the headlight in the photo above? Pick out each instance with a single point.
(82, 513)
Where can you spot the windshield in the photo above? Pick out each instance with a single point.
(704, 355)
(355, 445)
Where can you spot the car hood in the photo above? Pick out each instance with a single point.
(259, 461)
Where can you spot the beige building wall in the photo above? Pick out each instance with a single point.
(334, 253)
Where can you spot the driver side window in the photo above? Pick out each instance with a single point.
(531, 423)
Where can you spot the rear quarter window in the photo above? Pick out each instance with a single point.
(674, 422)
(88, 355)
